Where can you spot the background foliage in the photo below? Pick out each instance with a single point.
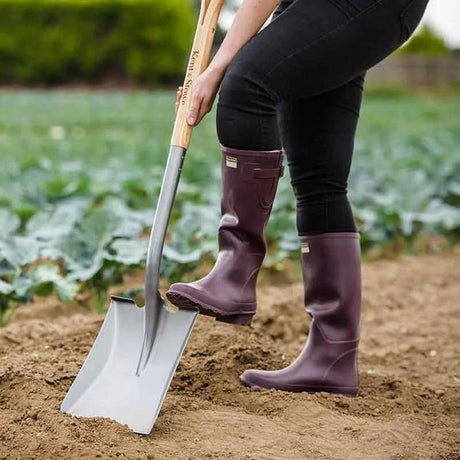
(81, 173)
(54, 41)
(426, 42)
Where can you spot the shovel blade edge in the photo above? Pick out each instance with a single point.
(107, 384)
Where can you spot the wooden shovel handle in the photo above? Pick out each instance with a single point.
(198, 61)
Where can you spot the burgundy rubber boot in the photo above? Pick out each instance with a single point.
(228, 292)
(331, 266)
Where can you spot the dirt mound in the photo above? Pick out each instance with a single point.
(407, 408)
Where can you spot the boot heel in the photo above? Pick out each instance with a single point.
(242, 320)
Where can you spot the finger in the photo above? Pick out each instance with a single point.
(194, 110)
(178, 98)
(204, 109)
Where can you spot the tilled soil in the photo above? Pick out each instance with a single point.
(407, 408)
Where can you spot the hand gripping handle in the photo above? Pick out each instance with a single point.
(199, 59)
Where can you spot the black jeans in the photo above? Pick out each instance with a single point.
(298, 84)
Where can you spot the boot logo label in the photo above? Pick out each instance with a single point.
(231, 162)
(304, 248)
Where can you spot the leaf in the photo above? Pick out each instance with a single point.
(43, 280)
(57, 221)
(129, 222)
(439, 214)
(5, 288)
(23, 287)
(196, 228)
(172, 255)
(83, 249)
(65, 287)
(128, 251)
(9, 222)
(16, 252)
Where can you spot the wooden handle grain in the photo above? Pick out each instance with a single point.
(198, 61)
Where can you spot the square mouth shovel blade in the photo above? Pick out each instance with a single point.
(110, 384)
(128, 371)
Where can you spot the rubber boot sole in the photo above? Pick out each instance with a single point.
(349, 392)
(181, 301)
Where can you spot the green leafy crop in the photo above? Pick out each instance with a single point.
(81, 173)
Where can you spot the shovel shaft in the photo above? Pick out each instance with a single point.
(160, 224)
(198, 61)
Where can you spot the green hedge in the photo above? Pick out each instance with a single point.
(55, 41)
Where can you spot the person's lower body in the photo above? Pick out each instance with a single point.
(297, 86)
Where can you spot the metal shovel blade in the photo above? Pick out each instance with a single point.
(110, 384)
(128, 371)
